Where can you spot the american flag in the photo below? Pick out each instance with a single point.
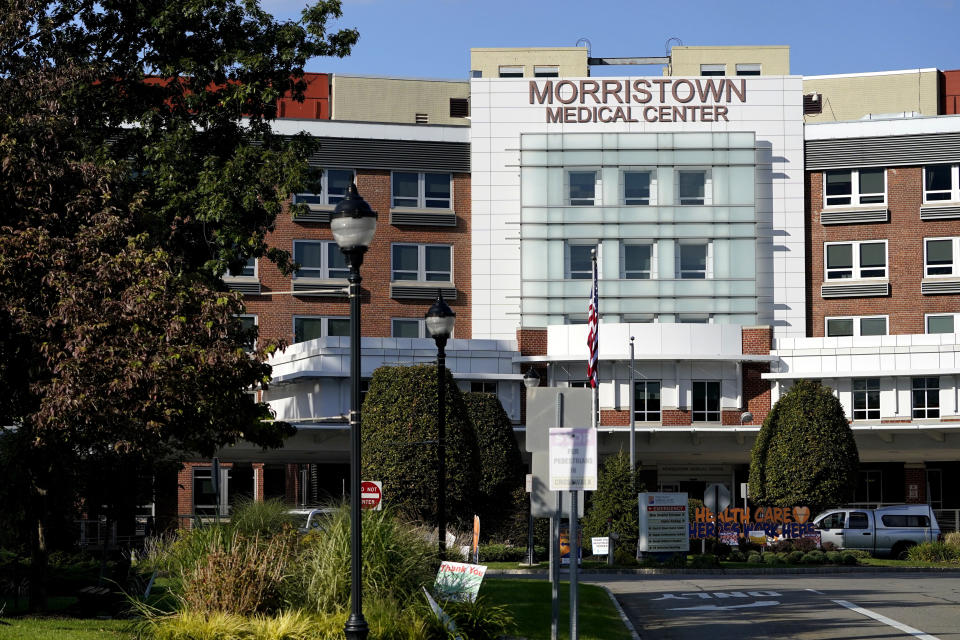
(593, 332)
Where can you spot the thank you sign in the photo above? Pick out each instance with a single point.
(573, 459)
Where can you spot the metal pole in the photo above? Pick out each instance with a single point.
(574, 561)
(633, 418)
(356, 627)
(530, 552)
(555, 544)
(441, 448)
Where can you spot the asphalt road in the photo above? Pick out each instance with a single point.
(845, 606)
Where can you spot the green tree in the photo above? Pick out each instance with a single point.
(501, 466)
(613, 506)
(137, 165)
(805, 453)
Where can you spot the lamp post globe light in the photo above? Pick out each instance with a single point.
(353, 224)
(440, 319)
(531, 378)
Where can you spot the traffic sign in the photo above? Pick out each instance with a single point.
(371, 495)
(716, 497)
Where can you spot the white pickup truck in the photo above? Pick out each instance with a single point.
(887, 530)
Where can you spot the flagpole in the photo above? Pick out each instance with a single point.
(593, 364)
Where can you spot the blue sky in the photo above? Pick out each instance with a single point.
(432, 38)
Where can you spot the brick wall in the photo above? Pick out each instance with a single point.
(756, 391)
(532, 342)
(676, 418)
(615, 417)
(275, 313)
(258, 481)
(905, 232)
(918, 478)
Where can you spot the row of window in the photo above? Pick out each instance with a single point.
(639, 187)
(842, 326)
(925, 398)
(704, 408)
(853, 187)
(415, 190)
(858, 260)
(638, 260)
(312, 327)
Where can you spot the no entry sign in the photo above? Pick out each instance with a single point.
(371, 495)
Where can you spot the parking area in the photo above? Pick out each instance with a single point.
(715, 607)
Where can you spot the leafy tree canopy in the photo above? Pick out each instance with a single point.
(805, 453)
(613, 506)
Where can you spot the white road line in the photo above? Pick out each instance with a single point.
(815, 591)
(888, 621)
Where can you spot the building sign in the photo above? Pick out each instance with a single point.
(663, 522)
(573, 459)
(638, 99)
(766, 522)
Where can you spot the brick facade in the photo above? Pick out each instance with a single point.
(905, 232)
(615, 417)
(915, 485)
(275, 312)
(532, 342)
(676, 418)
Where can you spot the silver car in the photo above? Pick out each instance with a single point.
(888, 530)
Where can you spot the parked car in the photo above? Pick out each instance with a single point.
(888, 530)
(307, 520)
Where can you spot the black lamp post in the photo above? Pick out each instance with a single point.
(531, 379)
(353, 224)
(440, 319)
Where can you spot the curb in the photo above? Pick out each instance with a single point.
(746, 571)
(623, 615)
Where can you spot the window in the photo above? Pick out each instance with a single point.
(904, 520)
(694, 260)
(579, 261)
(333, 188)
(706, 401)
(749, 69)
(713, 69)
(459, 107)
(582, 186)
(249, 269)
(941, 182)
(408, 328)
(857, 326)
(856, 260)
(476, 73)
(421, 118)
(858, 520)
(421, 190)
(926, 397)
(639, 261)
(546, 71)
(248, 324)
(511, 71)
(646, 401)
(940, 255)
(812, 104)
(855, 187)
(638, 188)
(686, 318)
(832, 521)
(940, 323)
(313, 327)
(422, 263)
(578, 384)
(693, 187)
(486, 386)
(866, 399)
(319, 259)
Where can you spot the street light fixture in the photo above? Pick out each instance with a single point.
(531, 378)
(353, 224)
(440, 319)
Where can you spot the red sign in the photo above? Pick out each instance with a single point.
(371, 493)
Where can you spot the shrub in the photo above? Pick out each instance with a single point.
(624, 558)
(260, 517)
(813, 557)
(717, 548)
(772, 559)
(704, 561)
(737, 556)
(781, 546)
(834, 557)
(805, 453)
(692, 505)
(755, 558)
(953, 539)
(933, 552)
(676, 561)
(507, 553)
(399, 415)
(859, 554)
(795, 557)
(828, 546)
(804, 544)
(849, 558)
(478, 620)
(613, 506)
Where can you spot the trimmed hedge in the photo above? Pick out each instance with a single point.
(805, 454)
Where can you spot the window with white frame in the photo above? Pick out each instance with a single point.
(579, 261)
(749, 69)
(693, 186)
(248, 324)
(941, 182)
(855, 260)
(639, 187)
(693, 318)
(941, 322)
(483, 386)
(582, 188)
(706, 401)
(856, 326)
(639, 260)
(941, 257)
(866, 398)
(319, 259)
(249, 269)
(646, 401)
(546, 71)
(422, 262)
(408, 328)
(713, 69)
(333, 188)
(511, 71)
(694, 260)
(925, 393)
(852, 187)
(421, 190)
(313, 327)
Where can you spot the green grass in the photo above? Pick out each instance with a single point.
(11, 607)
(889, 562)
(63, 629)
(529, 602)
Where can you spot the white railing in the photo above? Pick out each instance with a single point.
(948, 519)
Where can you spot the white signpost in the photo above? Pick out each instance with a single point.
(663, 522)
(573, 459)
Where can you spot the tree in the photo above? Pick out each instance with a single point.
(613, 506)
(805, 453)
(137, 165)
(501, 465)
(399, 443)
